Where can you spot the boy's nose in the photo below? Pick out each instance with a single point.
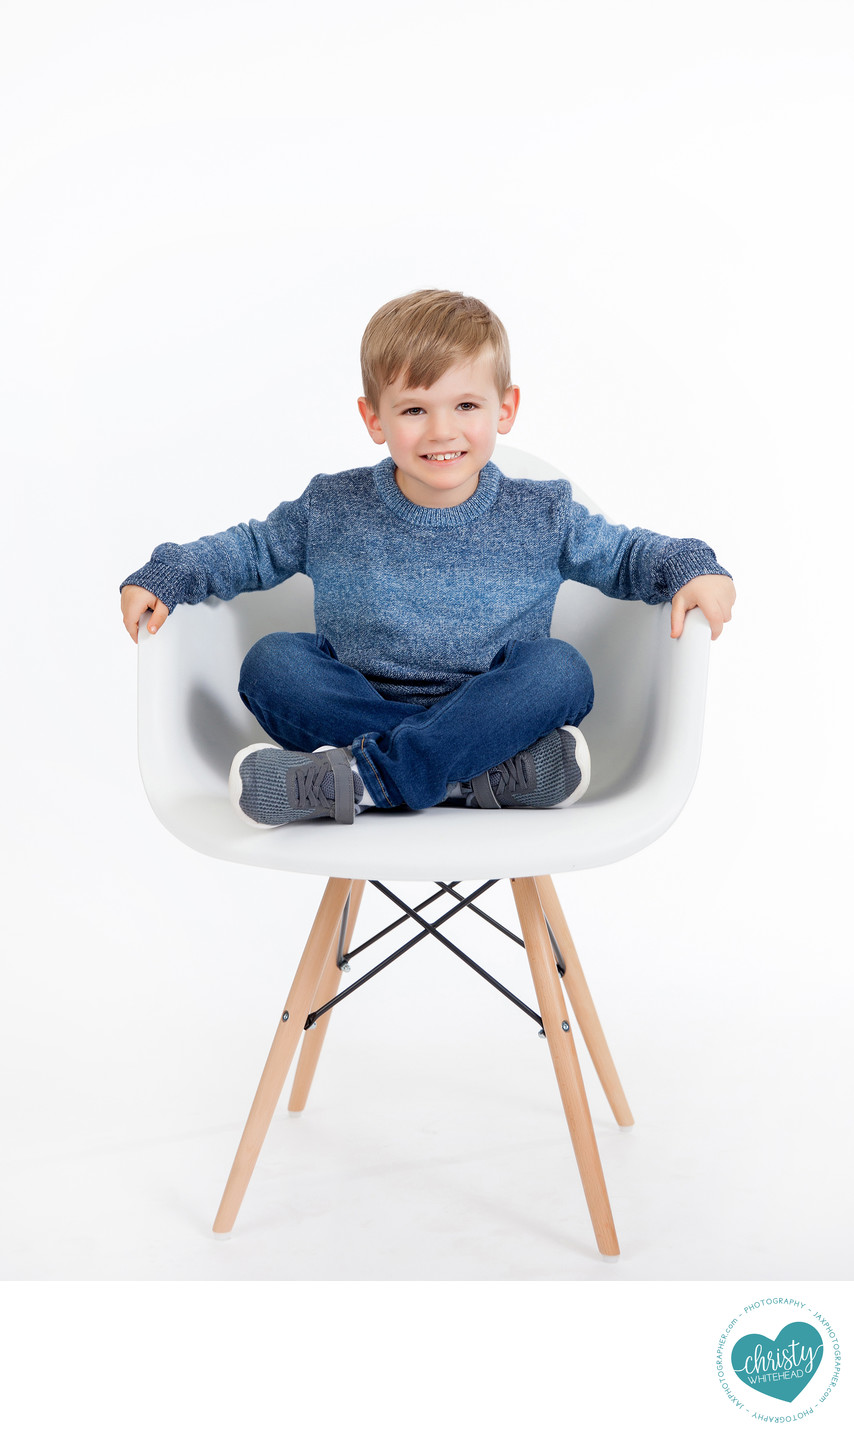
(443, 436)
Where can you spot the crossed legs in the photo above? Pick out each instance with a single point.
(408, 753)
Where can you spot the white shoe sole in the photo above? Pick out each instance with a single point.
(582, 758)
(235, 785)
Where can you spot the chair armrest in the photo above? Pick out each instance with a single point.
(670, 755)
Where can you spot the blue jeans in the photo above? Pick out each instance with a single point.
(406, 753)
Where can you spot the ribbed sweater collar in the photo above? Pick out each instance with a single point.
(456, 516)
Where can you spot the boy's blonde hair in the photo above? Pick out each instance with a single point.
(421, 335)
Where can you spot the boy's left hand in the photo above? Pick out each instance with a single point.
(713, 594)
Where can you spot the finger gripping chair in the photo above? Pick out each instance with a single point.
(644, 734)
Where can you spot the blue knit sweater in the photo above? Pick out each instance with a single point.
(419, 599)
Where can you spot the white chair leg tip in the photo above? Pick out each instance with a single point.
(609, 1258)
(221, 1236)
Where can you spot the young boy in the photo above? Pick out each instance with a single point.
(431, 676)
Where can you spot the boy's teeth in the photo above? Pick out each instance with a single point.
(442, 457)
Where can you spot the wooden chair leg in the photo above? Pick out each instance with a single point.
(328, 986)
(582, 1004)
(565, 1059)
(324, 932)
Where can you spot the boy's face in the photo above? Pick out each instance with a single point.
(460, 416)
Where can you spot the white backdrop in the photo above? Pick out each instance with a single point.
(201, 207)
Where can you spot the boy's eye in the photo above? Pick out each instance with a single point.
(414, 410)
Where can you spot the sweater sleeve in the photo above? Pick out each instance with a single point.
(254, 555)
(629, 563)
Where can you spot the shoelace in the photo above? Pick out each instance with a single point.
(509, 776)
(309, 787)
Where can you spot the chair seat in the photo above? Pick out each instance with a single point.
(644, 734)
(441, 841)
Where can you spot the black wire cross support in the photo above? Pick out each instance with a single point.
(429, 929)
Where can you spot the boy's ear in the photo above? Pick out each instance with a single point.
(372, 421)
(509, 409)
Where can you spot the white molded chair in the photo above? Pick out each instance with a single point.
(644, 734)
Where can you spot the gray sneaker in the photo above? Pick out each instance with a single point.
(270, 786)
(554, 770)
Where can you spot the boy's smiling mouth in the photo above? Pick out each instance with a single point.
(445, 457)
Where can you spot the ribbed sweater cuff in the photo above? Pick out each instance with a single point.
(679, 568)
(166, 582)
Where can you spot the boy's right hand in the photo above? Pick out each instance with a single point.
(135, 601)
